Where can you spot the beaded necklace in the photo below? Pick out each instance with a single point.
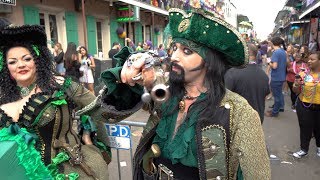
(182, 103)
(295, 68)
(313, 88)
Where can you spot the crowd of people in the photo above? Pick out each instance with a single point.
(296, 68)
(209, 128)
(75, 63)
(147, 46)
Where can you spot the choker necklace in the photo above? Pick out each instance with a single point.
(25, 91)
(182, 103)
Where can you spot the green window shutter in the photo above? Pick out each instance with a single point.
(138, 32)
(92, 35)
(113, 33)
(155, 41)
(72, 27)
(31, 15)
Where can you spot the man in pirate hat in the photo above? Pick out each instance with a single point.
(203, 131)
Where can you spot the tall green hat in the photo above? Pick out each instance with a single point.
(208, 31)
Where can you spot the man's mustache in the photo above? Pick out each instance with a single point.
(201, 66)
(177, 66)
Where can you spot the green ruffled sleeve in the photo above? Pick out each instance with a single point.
(120, 95)
(116, 100)
(124, 96)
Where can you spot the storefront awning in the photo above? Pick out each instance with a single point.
(146, 6)
(300, 22)
(296, 22)
(309, 10)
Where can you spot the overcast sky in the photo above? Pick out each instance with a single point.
(261, 12)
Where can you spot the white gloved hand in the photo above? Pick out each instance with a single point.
(268, 60)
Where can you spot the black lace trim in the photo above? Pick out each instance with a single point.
(29, 111)
(5, 120)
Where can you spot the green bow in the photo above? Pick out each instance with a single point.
(14, 129)
(59, 102)
(53, 167)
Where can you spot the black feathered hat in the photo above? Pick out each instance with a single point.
(34, 34)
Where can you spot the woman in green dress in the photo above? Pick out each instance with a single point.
(36, 113)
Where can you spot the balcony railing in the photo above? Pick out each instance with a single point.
(306, 4)
(216, 8)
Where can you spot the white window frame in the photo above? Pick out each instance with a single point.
(61, 31)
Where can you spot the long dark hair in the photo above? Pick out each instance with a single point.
(306, 53)
(216, 66)
(45, 80)
(72, 65)
(70, 52)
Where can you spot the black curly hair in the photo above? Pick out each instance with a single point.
(45, 80)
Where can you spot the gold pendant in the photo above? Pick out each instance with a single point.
(182, 105)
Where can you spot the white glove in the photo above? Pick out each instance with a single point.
(268, 60)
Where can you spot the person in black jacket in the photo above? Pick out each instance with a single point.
(251, 82)
(115, 49)
(72, 62)
(58, 59)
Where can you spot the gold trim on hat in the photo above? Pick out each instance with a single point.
(184, 25)
(219, 21)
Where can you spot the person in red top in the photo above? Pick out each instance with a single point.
(294, 68)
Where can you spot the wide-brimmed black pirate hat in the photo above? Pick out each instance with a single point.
(33, 34)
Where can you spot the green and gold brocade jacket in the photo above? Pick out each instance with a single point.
(229, 143)
(49, 117)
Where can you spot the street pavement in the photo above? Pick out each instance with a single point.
(282, 138)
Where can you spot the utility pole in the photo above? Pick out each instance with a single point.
(129, 28)
(84, 24)
(152, 30)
